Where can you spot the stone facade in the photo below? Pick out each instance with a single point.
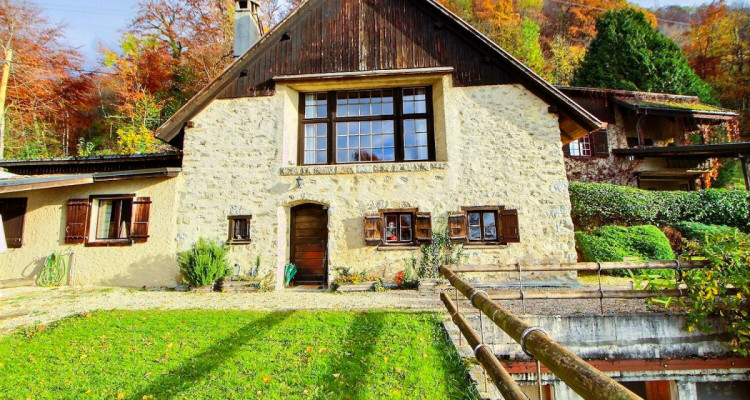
(495, 145)
(152, 263)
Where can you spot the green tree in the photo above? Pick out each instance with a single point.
(629, 53)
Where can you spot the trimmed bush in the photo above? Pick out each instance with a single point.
(613, 243)
(697, 231)
(205, 263)
(597, 204)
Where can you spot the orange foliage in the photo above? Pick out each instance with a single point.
(48, 99)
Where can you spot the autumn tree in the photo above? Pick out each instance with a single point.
(49, 98)
(629, 53)
(718, 48)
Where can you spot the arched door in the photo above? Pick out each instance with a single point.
(309, 244)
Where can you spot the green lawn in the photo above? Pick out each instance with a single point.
(234, 354)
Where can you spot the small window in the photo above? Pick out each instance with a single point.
(581, 147)
(239, 229)
(482, 226)
(399, 227)
(113, 219)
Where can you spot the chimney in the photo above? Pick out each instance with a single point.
(247, 26)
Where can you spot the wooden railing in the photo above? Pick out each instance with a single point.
(579, 375)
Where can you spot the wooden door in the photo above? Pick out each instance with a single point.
(309, 244)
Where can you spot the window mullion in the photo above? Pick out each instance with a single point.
(331, 134)
(398, 125)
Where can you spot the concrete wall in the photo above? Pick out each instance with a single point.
(496, 145)
(141, 264)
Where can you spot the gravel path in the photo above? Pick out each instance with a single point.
(48, 305)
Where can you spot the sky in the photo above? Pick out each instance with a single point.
(91, 22)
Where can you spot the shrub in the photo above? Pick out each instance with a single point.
(439, 252)
(720, 291)
(205, 263)
(613, 243)
(596, 204)
(697, 231)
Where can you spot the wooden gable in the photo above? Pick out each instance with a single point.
(349, 36)
(365, 35)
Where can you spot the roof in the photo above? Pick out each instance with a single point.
(599, 101)
(61, 166)
(23, 183)
(733, 149)
(572, 115)
(666, 107)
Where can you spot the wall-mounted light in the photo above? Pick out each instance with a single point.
(299, 181)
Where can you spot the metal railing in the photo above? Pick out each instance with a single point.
(579, 375)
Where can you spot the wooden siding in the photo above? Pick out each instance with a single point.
(363, 35)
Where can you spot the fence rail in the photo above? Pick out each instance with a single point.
(580, 376)
(504, 382)
(583, 266)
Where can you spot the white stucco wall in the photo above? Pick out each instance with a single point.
(152, 263)
(498, 145)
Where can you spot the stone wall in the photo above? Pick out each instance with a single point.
(152, 263)
(501, 147)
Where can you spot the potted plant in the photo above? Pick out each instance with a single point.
(204, 264)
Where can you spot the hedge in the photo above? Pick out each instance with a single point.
(697, 231)
(597, 204)
(613, 243)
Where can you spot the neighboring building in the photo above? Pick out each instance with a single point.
(653, 141)
(117, 214)
(342, 138)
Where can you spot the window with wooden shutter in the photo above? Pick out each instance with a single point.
(239, 229)
(424, 227)
(13, 213)
(141, 211)
(75, 221)
(510, 226)
(457, 227)
(600, 143)
(373, 229)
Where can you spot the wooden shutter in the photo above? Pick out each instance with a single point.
(13, 212)
(139, 227)
(566, 150)
(510, 226)
(599, 143)
(424, 227)
(457, 227)
(373, 229)
(76, 217)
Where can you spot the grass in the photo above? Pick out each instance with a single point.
(197, 354)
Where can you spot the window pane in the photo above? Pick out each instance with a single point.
(474, 219)
(490, 228)
(322, 157)
(363, 141)
(415, 139)
(391, 228)
(316, 105)
(316, 142)
(105, 219)
(475, 233)
(415, 101)
(406, 220)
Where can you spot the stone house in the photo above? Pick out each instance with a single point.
(343, 137)
(653, 141)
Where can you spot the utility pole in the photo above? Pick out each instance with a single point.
(3, 89)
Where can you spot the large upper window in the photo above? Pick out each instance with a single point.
(381, 125)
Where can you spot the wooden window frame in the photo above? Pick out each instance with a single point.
(398, 118)
(578, 143)
(107, 242)
(496, 210)
(232, 223)
(399, 211)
